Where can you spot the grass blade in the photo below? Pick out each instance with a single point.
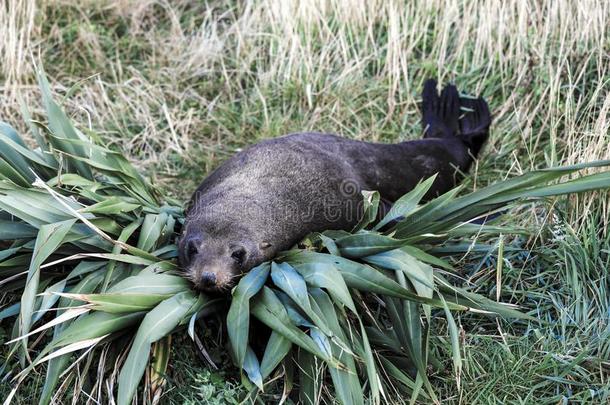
(49, 238)
(253, 369)
(277, 349)
(238, 318)
(407, 203)
(370, 209)
(366, 244)
(270, 311)
(156, 324)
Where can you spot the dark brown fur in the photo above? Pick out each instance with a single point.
(266, 198)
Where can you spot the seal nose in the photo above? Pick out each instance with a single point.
(208, 279)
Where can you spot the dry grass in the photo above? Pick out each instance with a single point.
(17, 23)
(180, 86)
(175, 80)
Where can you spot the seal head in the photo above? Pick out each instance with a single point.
(213, 257)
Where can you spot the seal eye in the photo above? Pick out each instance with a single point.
(238, 254)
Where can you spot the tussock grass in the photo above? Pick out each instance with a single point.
(224, 75)
(179, 87)
(17, 22)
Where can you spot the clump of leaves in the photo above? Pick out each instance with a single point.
(88, 246)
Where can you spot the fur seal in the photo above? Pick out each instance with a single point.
(269, 196)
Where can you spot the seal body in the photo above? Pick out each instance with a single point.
(268, 197)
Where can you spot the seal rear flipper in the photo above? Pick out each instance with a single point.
(475, 122)
(440, 114)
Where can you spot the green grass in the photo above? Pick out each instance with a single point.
(180, 88)
(566, 282)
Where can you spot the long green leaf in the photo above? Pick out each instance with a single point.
(49, 238)
(276, 350)
(150, 284)
(286, 278)
(63, 129)
(346, 382)
(371, 207)
(156, 324)
(366, 244)
(407, 203)
(57, 365)
(360, 276)
(270, 311)
(310, 378)
(253, 369)
(238, 318)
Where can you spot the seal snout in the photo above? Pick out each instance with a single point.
(212, 278)
(208, 279)
(213, 258)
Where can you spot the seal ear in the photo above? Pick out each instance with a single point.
(264, 245)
